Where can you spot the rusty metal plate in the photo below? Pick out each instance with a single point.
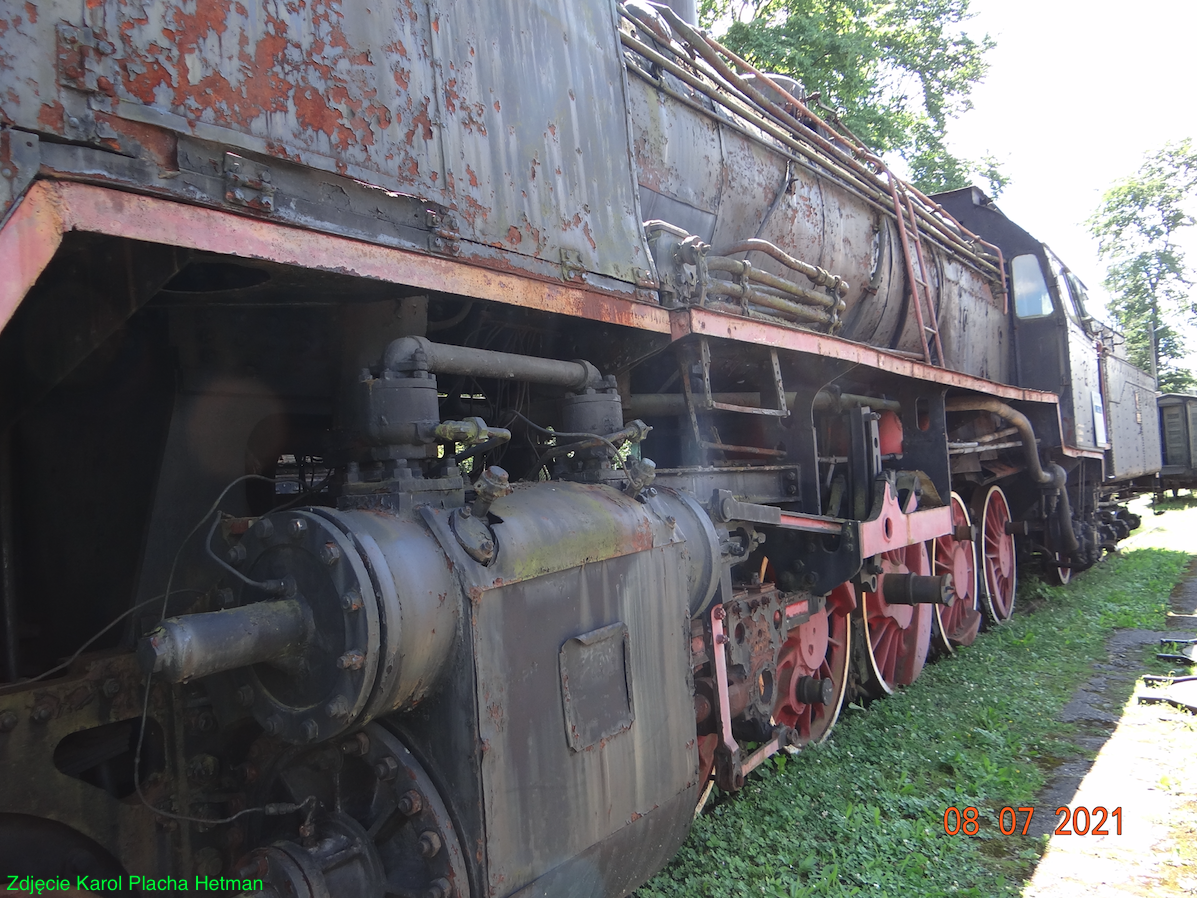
(501, 112)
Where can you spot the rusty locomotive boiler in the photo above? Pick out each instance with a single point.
(437, 440)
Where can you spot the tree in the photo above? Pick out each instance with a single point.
(895, 72)
(1137, 227)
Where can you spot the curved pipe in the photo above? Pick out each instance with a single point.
(820, 277)
(1054, 476)
(410, 353)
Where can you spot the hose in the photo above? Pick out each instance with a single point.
(1055, 476)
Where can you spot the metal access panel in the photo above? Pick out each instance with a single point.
(509, 114)
(574, 669)
(1132, 422)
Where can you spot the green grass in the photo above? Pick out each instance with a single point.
(863, 813)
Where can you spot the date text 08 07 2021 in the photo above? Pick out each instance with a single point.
(1078, 821)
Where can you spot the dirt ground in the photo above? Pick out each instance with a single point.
(1145, 763)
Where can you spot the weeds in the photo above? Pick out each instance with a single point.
(863, 814)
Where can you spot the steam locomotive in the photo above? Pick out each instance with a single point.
(439, 440)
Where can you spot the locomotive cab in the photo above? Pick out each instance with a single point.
(1059, 347)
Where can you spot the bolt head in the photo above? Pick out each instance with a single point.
(111, 687)
(296, 528)
(245, 696)
(236, 555)
(356, 745)
(273, 725)
(430, 844)
(439, 888)
(351, 601)
(386, 769)
(264, 528)
(410, 803)
(330, 554)
(42, 712)
(310, 729)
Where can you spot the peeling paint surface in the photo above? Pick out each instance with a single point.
(500, 112)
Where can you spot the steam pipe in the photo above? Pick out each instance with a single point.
(411, 353)
(1054, 476)
(784, 306)
(819, 276)
(641, 404)
(710, 49)
(745, 269)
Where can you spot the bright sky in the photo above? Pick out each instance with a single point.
(1076, 95)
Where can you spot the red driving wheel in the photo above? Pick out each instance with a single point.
(899, 636)
(812, 669)
(956, 624)
(998, 558)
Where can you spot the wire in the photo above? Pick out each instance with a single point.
(562, 433)
(271, 810)
(274, 587)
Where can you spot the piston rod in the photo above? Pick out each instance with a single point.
(198, 645)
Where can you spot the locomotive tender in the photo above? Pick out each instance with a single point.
(440, 439)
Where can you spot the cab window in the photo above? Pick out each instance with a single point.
(1064, 286)
(1031, 298)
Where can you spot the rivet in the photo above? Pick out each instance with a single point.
(8, 722)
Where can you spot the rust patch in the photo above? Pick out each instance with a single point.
(31, 13)
(513, 236)
(422, 121)
(50, 116)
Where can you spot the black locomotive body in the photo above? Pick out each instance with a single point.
(438, 439)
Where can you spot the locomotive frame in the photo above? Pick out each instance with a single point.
(467, 428)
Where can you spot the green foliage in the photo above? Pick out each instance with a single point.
(894, 72)
(1137, 225)
(863, 813)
